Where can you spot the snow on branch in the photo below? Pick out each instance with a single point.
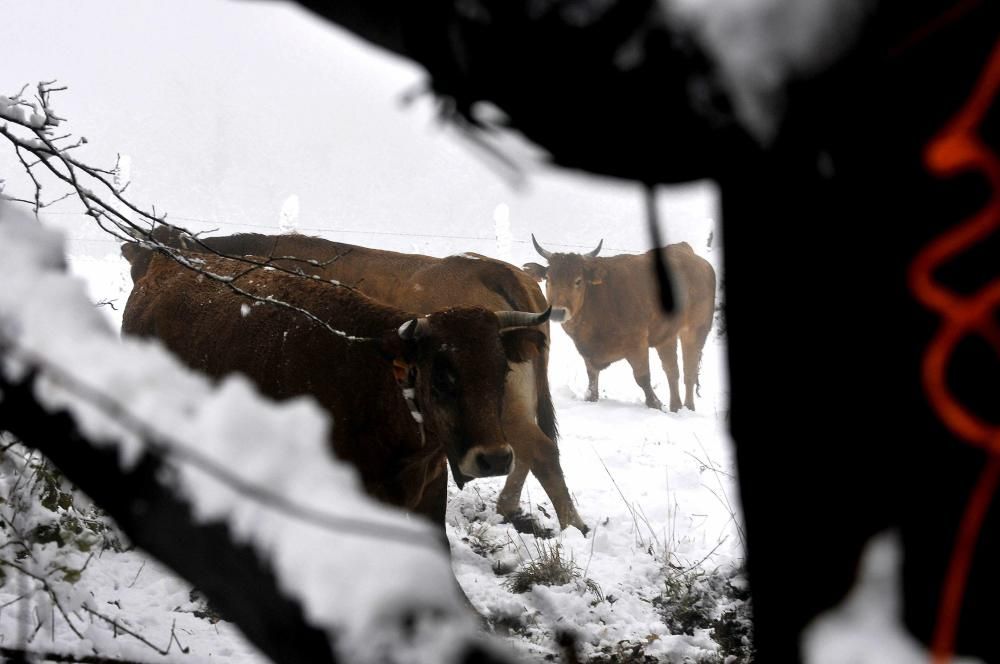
(29, 126)
(279, 562)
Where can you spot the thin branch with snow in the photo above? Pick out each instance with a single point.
(118, 216)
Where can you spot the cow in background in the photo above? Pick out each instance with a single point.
(408, 393)
(425, 284)
(612, 312)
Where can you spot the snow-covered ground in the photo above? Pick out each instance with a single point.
(657, 489)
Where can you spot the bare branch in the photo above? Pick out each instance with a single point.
(120, 225)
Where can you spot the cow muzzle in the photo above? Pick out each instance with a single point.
(487, 462)
(560, 315)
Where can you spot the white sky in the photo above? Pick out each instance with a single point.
(229, 108)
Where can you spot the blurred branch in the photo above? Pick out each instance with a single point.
(19, 655)
(155, 518)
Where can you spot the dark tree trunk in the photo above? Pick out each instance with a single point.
(835, 436)
(238, 584)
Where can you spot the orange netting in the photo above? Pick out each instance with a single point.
(958, 148)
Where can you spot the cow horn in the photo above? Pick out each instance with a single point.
(413, 329)
(522, 318)
(594, 253)
(545, 254)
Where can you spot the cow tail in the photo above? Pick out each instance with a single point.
(546, 413)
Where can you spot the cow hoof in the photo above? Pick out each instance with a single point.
(541, 532)
(527, 525)
(590, 396)
(583, 528)
(655, 405)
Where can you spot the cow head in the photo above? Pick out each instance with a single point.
(568, 277)
(457, 362)
(535, 271)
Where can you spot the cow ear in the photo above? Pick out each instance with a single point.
(394, 348)
(596, 274)
(521, 344)
(537, 272)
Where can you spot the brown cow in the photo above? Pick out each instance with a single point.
(612, 312)
(454, 361)
(424, 284)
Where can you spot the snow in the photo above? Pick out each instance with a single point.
(656, 489)
(501, 226)
(21, 112)
(871, 614)
(123, 172)
(288, 220)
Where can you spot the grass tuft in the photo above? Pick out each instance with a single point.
(550, 567)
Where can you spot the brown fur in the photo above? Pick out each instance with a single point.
(614, 314)
(424, 284)
(287, 355)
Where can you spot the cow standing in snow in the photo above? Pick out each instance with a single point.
(612, 312)
(406, 391)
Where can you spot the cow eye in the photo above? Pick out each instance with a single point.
(444, 380)
(579, 280)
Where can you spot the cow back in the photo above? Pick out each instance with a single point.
(413, 282)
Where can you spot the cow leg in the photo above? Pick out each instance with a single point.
(692, 343)
(668, 358)
(538, 453)
(639, 361)
(434, 500)
(546, 467)
(520, 400)
(593, 374)
(509, 501)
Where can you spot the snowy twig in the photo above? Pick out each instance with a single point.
(724, 498)
(141, 567)
(47, 587)
(187, 261)
(628, 505)
(691, 568)
(118, 625)
(139, 226)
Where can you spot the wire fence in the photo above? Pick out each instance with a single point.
(346, 231)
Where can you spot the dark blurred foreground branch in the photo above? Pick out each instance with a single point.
(18, 655)
(149, 512)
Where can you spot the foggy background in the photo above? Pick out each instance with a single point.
(226, 110)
